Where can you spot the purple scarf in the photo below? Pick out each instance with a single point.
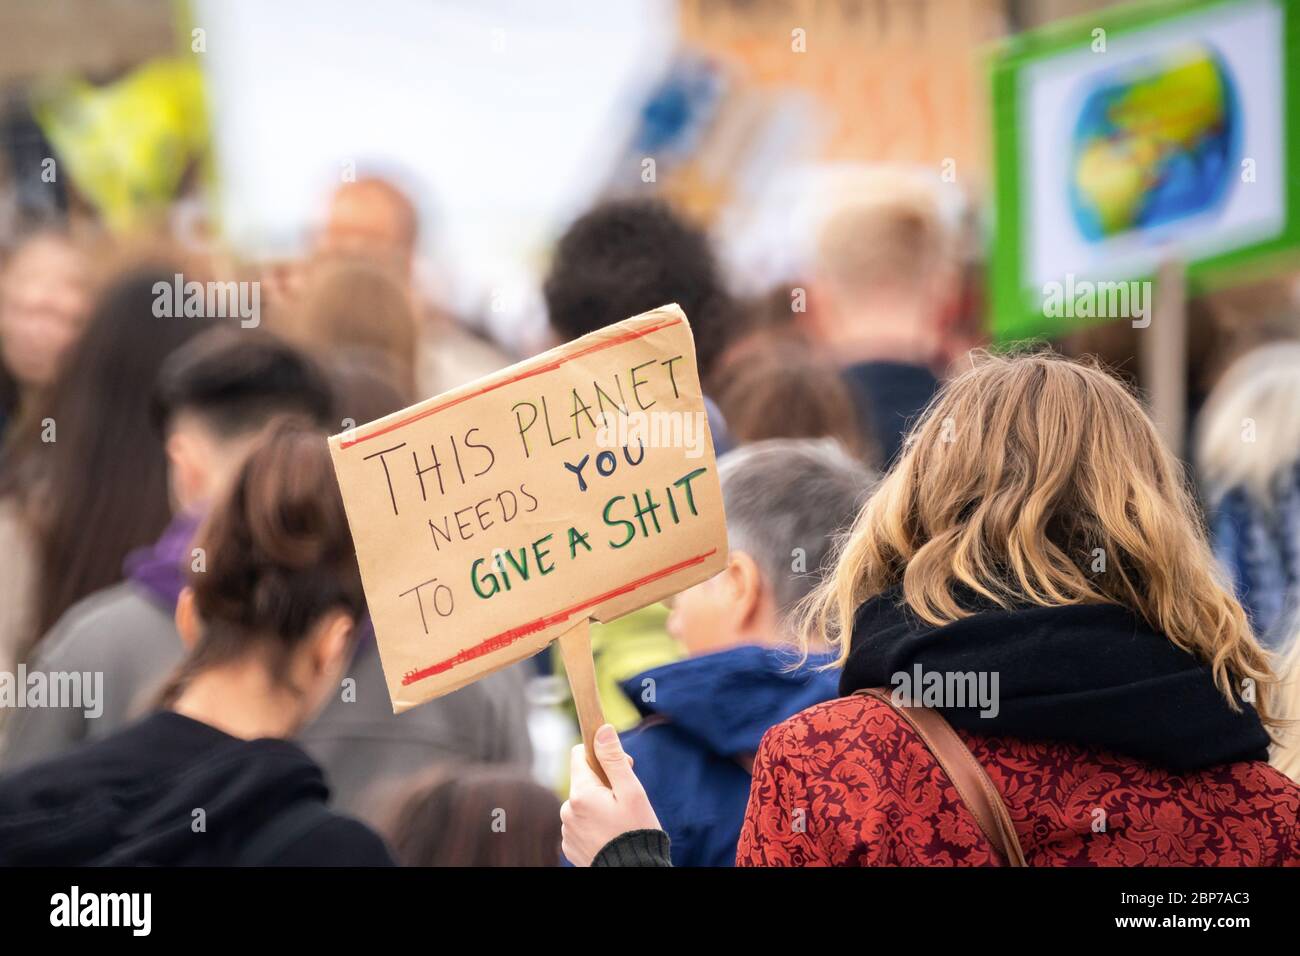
(160, 568)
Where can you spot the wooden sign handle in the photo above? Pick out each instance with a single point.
(575, 651)
(1162, 351)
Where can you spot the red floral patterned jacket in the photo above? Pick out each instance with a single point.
(848, 783)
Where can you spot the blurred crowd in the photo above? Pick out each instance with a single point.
(169, 520)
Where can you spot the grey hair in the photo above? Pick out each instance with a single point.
(787, 500)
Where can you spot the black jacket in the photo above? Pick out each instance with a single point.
(173, 791)
(889, 397)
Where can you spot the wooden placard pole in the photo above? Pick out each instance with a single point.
(1164, 355)
(575, 651)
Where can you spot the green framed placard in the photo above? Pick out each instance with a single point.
(1158, 130)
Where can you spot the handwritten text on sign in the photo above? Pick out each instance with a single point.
(491, 519)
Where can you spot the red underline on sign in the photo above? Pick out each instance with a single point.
(506, 638)
(621, 339)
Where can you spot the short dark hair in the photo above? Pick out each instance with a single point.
(625, 257)
(237, 380)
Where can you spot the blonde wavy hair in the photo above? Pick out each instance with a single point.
(1020, 470)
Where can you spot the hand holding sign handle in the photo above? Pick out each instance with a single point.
(575, 650)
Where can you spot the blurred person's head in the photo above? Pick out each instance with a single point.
(214, 395)
(787, 391)
(1023, 471)
(1222, 326)
(353, 304)
(44, 301)
(1248, 433)
(365, 384)
(474, 816)
(630, 256)
(761, 324)
(1225, 324)
(373, 219)
(88, 465)
(1113, 345)
(268, 622)
(885, 272)
(786, 500)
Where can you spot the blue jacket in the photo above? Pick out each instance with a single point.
(704, 719)
(1259, 546)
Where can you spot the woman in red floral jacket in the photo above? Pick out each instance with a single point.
(847, 783)
(1034, 568)
(1036, 553)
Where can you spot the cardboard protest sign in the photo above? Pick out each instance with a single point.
(491, 520)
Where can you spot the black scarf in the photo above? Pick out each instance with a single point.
(1092, 675)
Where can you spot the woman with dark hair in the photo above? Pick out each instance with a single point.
(211, 778)
(84, 479)
(454, 815)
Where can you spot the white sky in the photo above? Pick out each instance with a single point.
(507, 112)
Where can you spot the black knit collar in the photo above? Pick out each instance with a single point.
(1094, 675)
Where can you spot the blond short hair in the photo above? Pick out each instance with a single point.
(886, 231)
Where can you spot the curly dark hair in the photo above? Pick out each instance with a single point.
(625, 257)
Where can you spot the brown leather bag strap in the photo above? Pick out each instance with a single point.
(972, 782)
